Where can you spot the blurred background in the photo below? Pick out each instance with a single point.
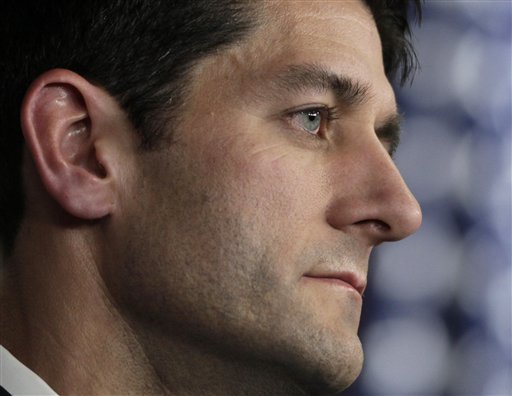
(437, 314)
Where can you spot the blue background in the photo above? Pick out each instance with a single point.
(437, 314)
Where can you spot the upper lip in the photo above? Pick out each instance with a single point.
(356, 281)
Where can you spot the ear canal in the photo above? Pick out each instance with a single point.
(74, 141)
(78, 148)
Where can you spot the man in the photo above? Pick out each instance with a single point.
(202, 186)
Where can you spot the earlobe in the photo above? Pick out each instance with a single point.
(58, 127)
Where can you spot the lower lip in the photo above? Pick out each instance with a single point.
(334, 282)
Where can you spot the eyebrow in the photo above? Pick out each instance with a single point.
(303, 78)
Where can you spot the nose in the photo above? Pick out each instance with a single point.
(370, 198)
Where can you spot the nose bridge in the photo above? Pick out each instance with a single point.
(371, 195)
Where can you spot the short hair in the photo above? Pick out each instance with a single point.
(140, 51)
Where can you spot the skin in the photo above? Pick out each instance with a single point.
(188, 270)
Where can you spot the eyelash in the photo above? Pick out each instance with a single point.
(327, 114)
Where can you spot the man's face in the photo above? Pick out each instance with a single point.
(246, 233)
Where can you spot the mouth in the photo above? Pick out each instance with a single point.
(344, 279)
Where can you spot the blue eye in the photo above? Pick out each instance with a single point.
(310, 120)
(314, 120)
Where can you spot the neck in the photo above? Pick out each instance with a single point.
(62, 323)
(189, 366)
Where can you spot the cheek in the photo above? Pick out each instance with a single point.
(276, 182)
(294, 178)
(282, 194)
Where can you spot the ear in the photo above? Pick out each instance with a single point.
(64, 121)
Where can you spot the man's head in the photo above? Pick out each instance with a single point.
(139, 51)
(234, 208)
(133, 50)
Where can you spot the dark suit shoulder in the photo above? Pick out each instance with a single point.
(3, 392)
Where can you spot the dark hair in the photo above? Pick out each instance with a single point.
(392, 20)
(140, 52)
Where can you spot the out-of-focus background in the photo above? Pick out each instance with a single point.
(437, 315)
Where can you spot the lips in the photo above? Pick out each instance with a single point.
(349, 279)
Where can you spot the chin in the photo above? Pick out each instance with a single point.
(332, 371)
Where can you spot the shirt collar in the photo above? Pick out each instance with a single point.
(18, 379)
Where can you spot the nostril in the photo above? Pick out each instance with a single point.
(376, 224)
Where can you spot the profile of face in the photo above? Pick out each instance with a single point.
(250, 234)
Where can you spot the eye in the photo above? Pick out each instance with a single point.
(309, 120)
(313, 120)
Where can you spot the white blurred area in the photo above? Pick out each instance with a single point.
(438, 317)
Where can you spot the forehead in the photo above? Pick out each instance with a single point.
(339, 36)
(346, 23)
(342, 33)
